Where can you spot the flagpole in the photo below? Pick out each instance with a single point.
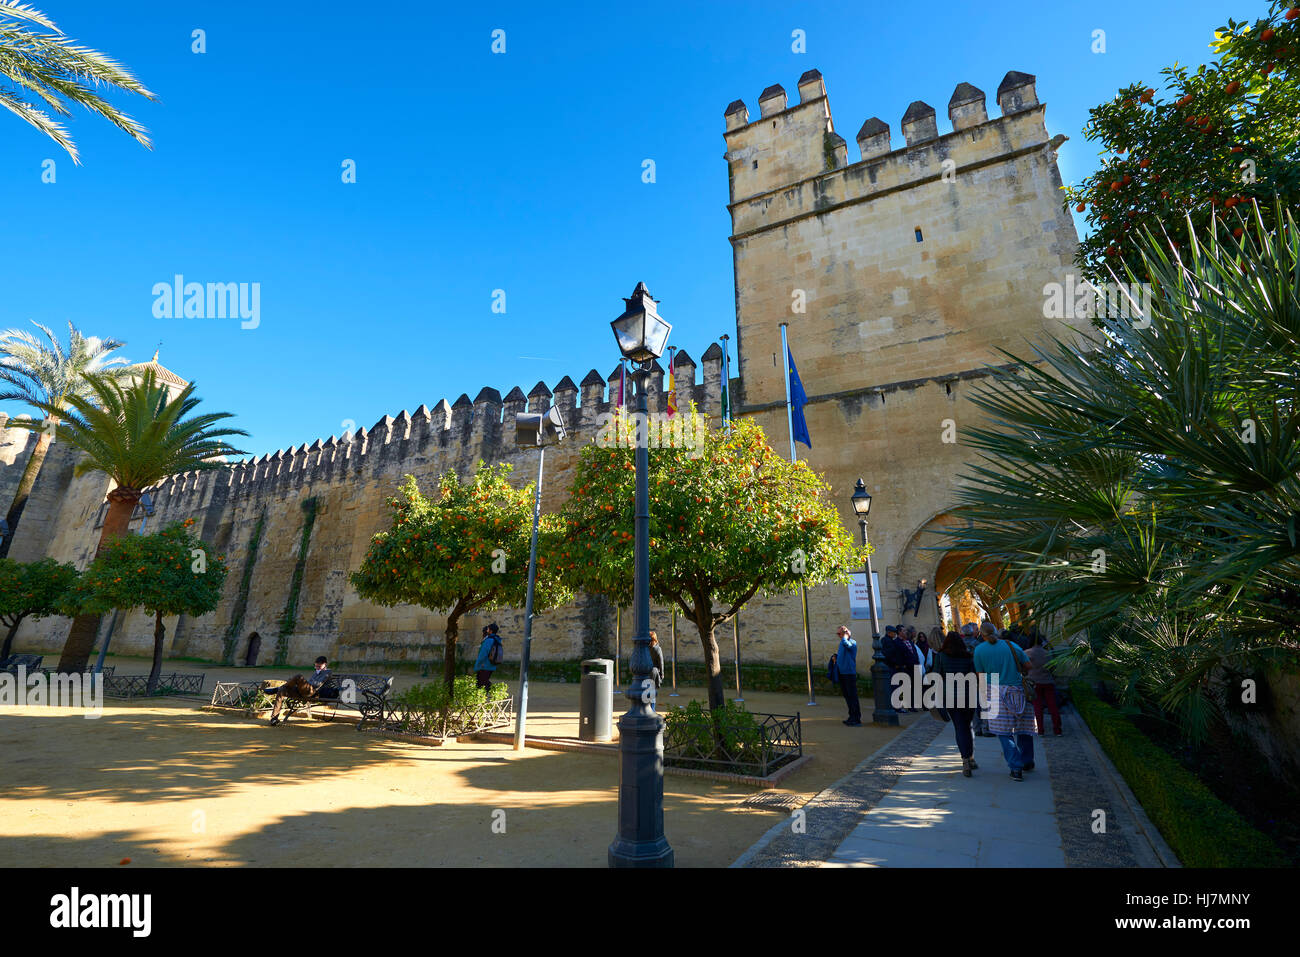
(789, 411)
(726, 383)
(794, 457)
(670, 403)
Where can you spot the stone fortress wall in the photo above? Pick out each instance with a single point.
(914, 265)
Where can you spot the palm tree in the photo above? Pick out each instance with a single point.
(137, 435)
(1144, 488)
(49, 67)
(45, 377)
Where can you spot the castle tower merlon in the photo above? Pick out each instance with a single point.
(421, 426)
(462, 410)
(487, 415)
(440, 422)
(811, 86)
(514, 403)
(539, 398)
(656, 398)
(711, 389)
(593, 396)
(837, 151)
(873, 138)
(566, 399)
(966, 107)
(919, 124)
(737, 115)
(786, 144)
(615, 379)
(772, 100)
(1017, 92)
(683, 370)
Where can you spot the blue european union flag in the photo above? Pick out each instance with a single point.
(798, 399)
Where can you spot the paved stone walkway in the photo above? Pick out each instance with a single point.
(908, 805)
(934, 817)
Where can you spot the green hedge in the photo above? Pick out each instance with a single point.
(759, 676)
(784, 679)
(1201, 829)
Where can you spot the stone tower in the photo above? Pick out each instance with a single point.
(900, 275)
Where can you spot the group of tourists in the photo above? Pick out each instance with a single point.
(1013, 664)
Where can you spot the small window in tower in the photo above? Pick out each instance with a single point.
(755, 164)
(919, 237)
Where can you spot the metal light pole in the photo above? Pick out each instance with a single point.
(884, 712)
(807, 648)
(641, 336)
(673, 630)
(735, 637)
(531, 428)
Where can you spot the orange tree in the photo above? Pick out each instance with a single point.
(169, 573)
(729, 519)
(1225, 134)
(464, 551)
(34, 589)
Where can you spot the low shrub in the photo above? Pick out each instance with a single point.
(695, 736)
(1202, 830)
(431, 709)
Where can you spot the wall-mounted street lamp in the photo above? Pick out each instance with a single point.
(642, 336)
(533, 430)
(884, 712)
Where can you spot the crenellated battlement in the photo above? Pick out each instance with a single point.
(479, 427)
(789, 145)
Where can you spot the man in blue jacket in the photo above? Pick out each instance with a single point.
(846, 662)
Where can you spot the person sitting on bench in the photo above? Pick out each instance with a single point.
(300, 688)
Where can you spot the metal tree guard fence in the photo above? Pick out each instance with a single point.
(445, 722)
(735, 742)
(136, 686)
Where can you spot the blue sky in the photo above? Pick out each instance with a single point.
(475, 172)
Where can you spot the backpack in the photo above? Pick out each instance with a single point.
(833, 671)
(495, 655)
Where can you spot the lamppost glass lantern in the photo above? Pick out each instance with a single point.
(861, 499)
(642, 335)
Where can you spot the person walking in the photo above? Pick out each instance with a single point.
(970, 637)
(846, 662)
(491, 653)
(1001, 662)
(960, 695)
(1044, 684)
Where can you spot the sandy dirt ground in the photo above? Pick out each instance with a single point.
(165, 783)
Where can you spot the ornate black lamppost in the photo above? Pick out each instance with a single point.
(884, 712)
(641, 336)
